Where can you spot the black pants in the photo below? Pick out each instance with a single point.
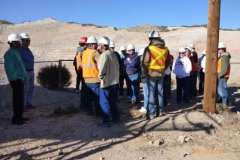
(78, 79)
(193, 85)
(166, 88)
(182, 90)
(121, 84)
(18, 99)
(201, 77)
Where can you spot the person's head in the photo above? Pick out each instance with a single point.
(181, 52)
(122, 49)
(83, 42)
(14, 40)
(203, 52)
(92, 42)
(191, 47)
(103, 44)
(112, 46)
(155, 39)
(25, 39)
(130, 49)
(221, 48)
(188, 51)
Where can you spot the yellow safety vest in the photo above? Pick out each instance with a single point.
(89, 66)
(158, 58)
(219, 67)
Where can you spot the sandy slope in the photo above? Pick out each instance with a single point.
(53, 40)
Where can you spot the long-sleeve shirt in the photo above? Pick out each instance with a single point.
(28, 58)
(182, 67)
(108, 69)
(132, 64)
(14, 66)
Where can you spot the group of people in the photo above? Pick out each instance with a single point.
(103, 72)
(152, 66)
(103, 76)
(19, 67)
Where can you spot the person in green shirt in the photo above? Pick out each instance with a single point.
(16, 74)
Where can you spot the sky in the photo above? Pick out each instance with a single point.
(120, 13)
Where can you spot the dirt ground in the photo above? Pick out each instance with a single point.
(185, 132)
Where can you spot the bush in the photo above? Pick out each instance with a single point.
(48, 77)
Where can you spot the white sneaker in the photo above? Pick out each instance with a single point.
(143, 110)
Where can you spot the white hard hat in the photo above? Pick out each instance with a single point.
(181, 50)
(13, 37)
(130, 47)
(104, 41)
(204, 52)
(91, 40)
(111, 45)
(154, 34)
(191, 46)
(188, 48)
(221, 45)
(141, 51)
(24, 35)
(122, 48)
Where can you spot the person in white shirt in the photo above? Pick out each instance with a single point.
(182, 68)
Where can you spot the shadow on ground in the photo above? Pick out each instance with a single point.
(74, 136)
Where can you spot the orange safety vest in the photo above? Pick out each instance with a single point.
(89, 66)
(219, 67)
(158, 58)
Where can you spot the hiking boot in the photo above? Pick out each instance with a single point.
(143, 110)
(219, 109)
(150, 117)
(162, 113)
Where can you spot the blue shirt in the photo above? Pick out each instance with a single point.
(28, 58)
(132, 64)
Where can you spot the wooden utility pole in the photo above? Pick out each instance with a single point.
(211, 57)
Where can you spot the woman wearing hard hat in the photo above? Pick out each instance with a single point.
(16, 74)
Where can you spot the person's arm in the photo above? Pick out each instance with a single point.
(102, 65)
(188, 65)
(145, 60)
(9, 67)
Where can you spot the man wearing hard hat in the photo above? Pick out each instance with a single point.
(28, 60)
(77, 60)
(109, 75)
(90, 73)
(123, 76)
(121, 66)
(155, 61)
(223, 70)
(16, 74)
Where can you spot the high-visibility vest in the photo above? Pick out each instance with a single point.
(89, 66)
(158, 58)
(219, 67)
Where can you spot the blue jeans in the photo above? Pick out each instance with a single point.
(222, 90)
(145, 92)
(108, 103)
(155, 99)
(134, 80)
(28, 88)
(92, 99)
